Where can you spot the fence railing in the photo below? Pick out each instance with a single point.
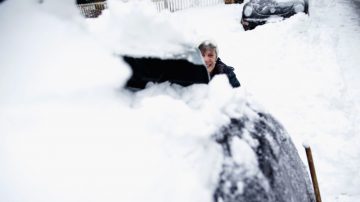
(175, 5)
(93, 10)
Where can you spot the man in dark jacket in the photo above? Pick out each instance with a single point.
(214, 64)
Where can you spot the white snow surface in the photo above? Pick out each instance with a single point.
(69, 132)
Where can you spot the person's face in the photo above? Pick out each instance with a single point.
(210, 57)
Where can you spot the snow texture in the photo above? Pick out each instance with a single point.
(70, 132)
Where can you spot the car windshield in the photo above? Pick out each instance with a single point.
(285, 2)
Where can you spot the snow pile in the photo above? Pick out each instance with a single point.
(136, 28)
(70, 133)
(46, 54)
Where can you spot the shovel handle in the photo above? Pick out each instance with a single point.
(313, 173)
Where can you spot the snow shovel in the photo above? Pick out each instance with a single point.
(178, 70)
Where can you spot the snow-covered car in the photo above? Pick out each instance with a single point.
(279, 174)
(259, 12)
(275, 172)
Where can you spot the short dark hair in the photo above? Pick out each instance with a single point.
(206, 45)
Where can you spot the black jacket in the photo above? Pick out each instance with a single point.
(222, 68)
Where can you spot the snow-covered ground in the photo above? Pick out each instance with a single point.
(68, 132)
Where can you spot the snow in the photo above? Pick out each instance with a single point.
(69, 132)
(306, 144)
